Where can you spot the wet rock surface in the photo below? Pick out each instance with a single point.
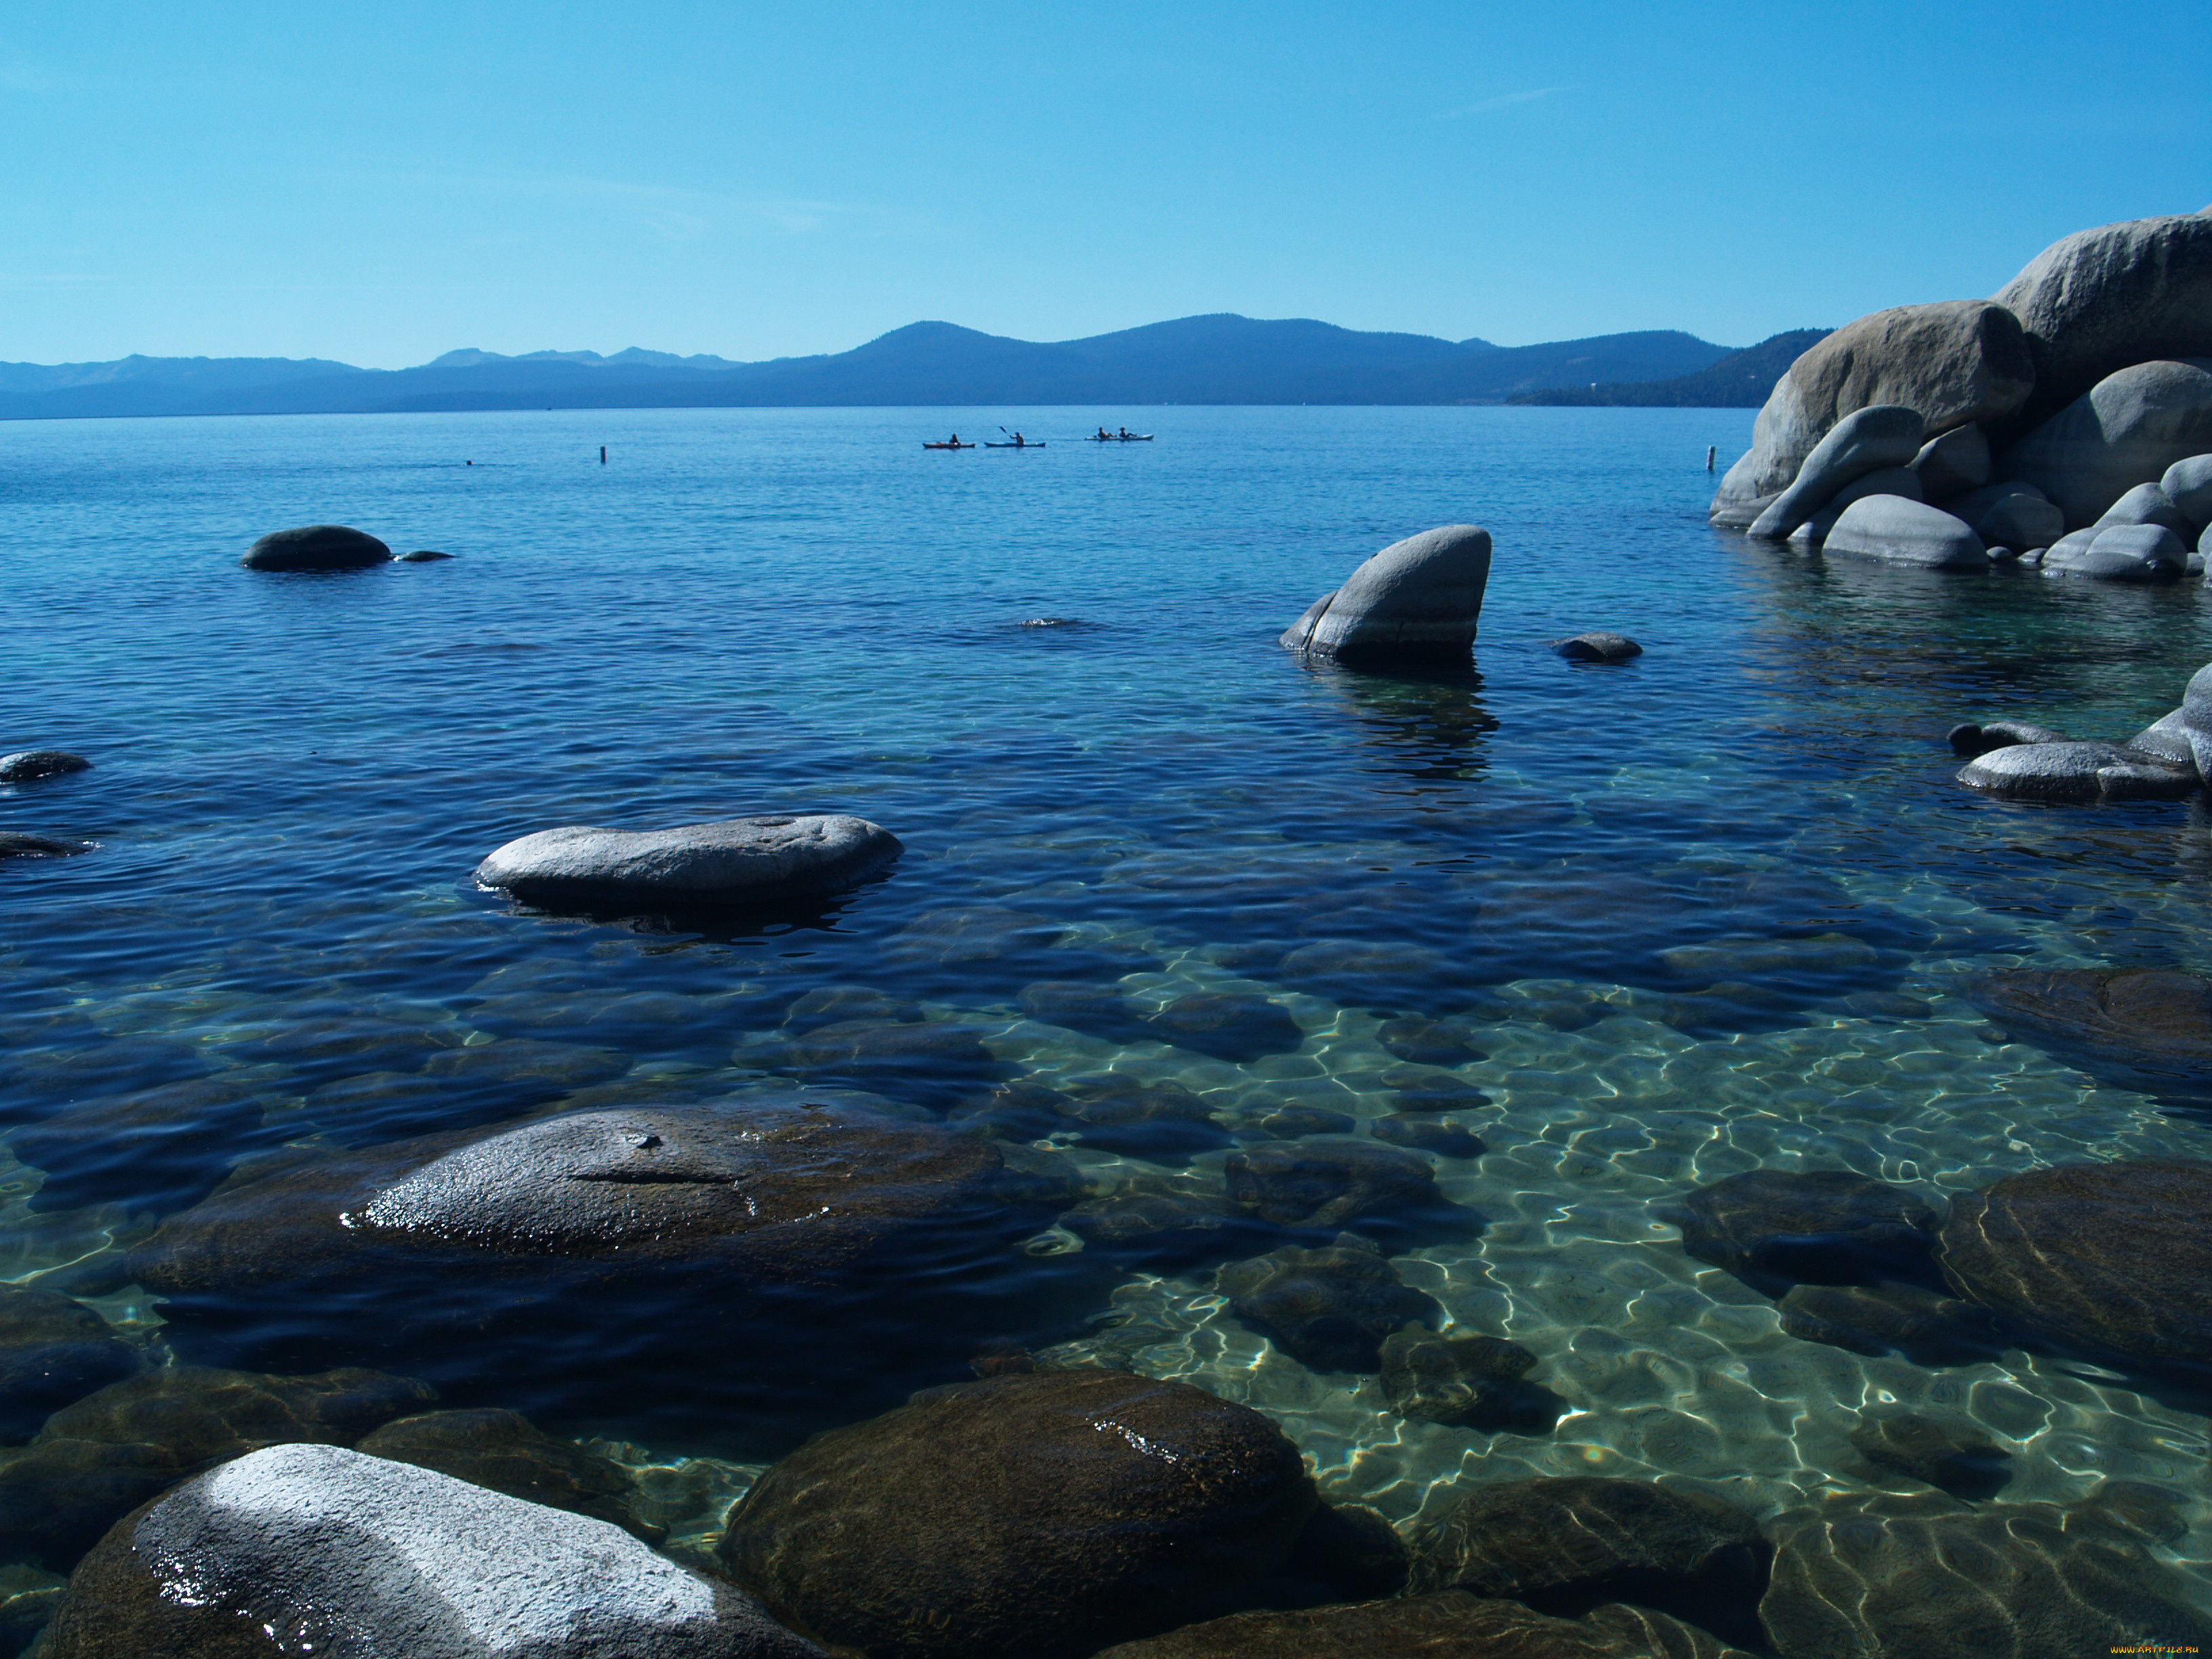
(1925, 1327)
(331, 1552)
(1386, 1192)
(2026, 1579)
(316, 547)
(1328, 1309)
(1955, 1457)
(1774, 1228)
(990, 1518)
(29, 765)
(2149, 1029)
(53, 1350)
(1449, 1625)
(731, 861)
(504, 1451)
(1566, 1545)
(1418, 600)
(2107, 1259)
(21, 844)
(1465, 1380)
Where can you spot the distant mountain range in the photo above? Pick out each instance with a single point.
(1222, 359)
(1740, 381)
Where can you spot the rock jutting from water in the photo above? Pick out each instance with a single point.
(316, 547)
(424, 556)
(1597, 645)
(19, 844)
(2163, 762)
(1417, 601)
(28, 765)
(317, 1549)
(731, 861)
(2089, 377)
(1023, 1516)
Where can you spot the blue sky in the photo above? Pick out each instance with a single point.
(383, 183)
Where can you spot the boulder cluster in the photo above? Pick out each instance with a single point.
(2064, 424)
(2167, 759)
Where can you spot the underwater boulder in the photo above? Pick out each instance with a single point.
(1336, 1182)
(1954, 1457)
(1232, 1025)
(53, 1350)
(1445, 1625)
(506, 1452)
(1774, 1228)
(1928, 1328)
(1466, 1381)
(1328, 1309)
(2138, 1028)
(1023, 1516)
(299, 1549)
(28, 765)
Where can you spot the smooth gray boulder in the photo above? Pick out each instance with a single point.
(335, 1553)
(2196, 717)
(2126, 430)
(2077, 772)
(1597, 646)
(733, 861)
(2146, 503)
(2021, 521)
(1899, 532)
(2099, 301)
(2188, 485)
(424, 556)
(1864, 441)
(316, 547)
(1418, 599)
(2168, 739)
(1900, 481)
(29, 765)
(2121, 553)
(1739, 511)
(1956, 362)
(1957, 460)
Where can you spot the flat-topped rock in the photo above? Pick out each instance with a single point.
(733, 862)
(1597, 645)
(1419, 600)
(1900, 532)
(316, 547)
(2077, 772)
(1023, 1516)
(316, 1549)
(28, 765)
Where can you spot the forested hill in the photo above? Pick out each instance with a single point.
(1740, 381)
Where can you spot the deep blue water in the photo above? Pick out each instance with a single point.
(1709, 909)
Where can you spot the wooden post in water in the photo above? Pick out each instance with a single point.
(602, 457)
(1712, 452)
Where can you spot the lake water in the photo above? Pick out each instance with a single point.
(1704, 913)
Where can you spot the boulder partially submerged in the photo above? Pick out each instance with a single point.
(735, 861)
(316, 547)
(1900, 532)
(1417, 601)
(28, 765)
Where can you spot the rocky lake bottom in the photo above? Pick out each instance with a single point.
(1581, 938)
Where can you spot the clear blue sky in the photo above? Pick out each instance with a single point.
(381, 183)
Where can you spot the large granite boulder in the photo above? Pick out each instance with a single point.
(1450, 1625)
(2030, 1581)
(2138, 1028)
(2099, 301)
(2077, 773)
(1775, 1228)
(1328, 1309)
(490, 1446)
(2016, 519)
(1866, 440)
(2121, 553)
(53, 1350)
(2125, 430)
(316, 1549)
(316, 547)
(1024, 1516)
(2113, 1260)
(1899, 481)
(1564, 1545)
(1956, 362)
(733, 862)
(28, 765)
(2188, 484)
(2146, 503)
(1416, 600)
(1952, 463)
(1900, 532)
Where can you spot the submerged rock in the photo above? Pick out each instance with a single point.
(1956, 1457)
(506, 1452)
(2113, 1260)
(1564, 1546)
(2026, 1579)
(1419, 600)
(1035, 1516)
(330, 1552)
(733, 862)
(1773, 1228)
(1429, 1041)
(28, 765)
(2141, 1028)
(1336, 1183)
(16, 844)
(1348, 1553)
(1425, 1134)
(1466, 1381)
(53, 1350)
(1328, 1309)
(316, 547)
(1449, 1625)
(1597, 646)
(1232, 1025)
(1926, 1327)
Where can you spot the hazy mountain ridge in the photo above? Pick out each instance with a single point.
(1218, 358)
(1742, 379)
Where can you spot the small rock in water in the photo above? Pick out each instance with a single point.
(1326, 1182)
(735, 860)
(53, 1350)
(1053, 622)
(424, 556)
(1466, 1381)
(25, 765)
(1232, 1025)
(1773, 1228)
(1428, 1042)
(316, 547)
(1291, 1123)
(1328, 1309)
(1926, 1327)
(1954, 1457)
(13, 844)
(505, 1451)
(1597, 647)
(1425, 1134)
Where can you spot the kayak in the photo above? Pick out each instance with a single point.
(1010, 446)
(1120, 438)
(930, 446)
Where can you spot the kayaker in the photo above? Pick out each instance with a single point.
(1125, 434)
(1101, 435)
(956, 440)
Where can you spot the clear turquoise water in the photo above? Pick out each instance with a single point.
(748, 611)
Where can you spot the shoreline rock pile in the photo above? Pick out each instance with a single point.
(2164, 761)
(2065, 424)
